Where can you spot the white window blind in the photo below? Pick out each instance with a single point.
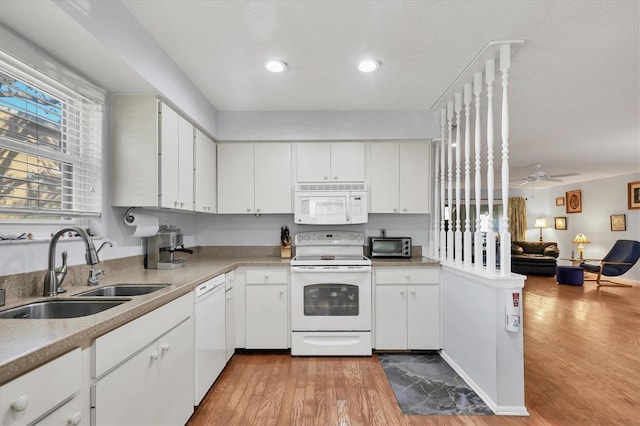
(50, 148)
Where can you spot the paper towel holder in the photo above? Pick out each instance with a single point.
(128, 217)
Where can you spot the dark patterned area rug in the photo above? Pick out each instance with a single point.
(425, 384)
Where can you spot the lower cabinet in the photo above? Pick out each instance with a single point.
(154, 383)
(267, 308)
(50, 394)
(407, 311)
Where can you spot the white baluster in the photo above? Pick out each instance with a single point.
(443, 237)
(435, 247)
(450, 181)
(491, 238)
(477, 91)
(467, 178)
(457, 231)
(505, 236)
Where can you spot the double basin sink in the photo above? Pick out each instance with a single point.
(75, 308)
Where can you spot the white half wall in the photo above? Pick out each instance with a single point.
(475, 341)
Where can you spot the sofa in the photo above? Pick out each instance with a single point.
(534, 258)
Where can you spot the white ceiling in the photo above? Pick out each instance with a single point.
(574, 96)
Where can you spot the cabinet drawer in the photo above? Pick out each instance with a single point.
(267, 276)
(407, 276)
(117, 345)
(35, 393)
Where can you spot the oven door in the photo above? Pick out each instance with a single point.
(331, 298)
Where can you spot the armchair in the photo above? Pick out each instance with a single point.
(622, 256)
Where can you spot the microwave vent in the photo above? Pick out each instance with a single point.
(329, 187)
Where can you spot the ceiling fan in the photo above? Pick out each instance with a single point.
(540, 175)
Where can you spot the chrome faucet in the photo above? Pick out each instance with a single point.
(55, 276)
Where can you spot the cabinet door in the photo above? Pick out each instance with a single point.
(423, 317)
(174, 401)
(185, 164)
(205, 173)
(347, 162)
(313, 162)
(273, 178)
(266, 309)
(235, 178)
(384, 191)
(414, 177)
(391, 317)
(169, 163)
(71, 413)
(128, 394)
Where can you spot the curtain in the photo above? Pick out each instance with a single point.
(517, 218)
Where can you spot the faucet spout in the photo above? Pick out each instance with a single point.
(51, 279)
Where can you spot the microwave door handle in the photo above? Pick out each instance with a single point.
(348, 209)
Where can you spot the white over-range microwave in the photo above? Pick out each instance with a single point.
(330, 203)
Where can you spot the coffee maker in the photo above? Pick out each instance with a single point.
(161, 249)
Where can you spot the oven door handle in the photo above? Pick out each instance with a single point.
(330, 269)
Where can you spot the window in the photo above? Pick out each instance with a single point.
(50, 148)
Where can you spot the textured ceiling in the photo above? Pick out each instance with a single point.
(575, 83)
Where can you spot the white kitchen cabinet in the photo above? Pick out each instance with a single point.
(407, 309)
(254, 178)
(176, 160)
(267, 308)
(400, 177)
(42, 394)
(230, 314)
(70, 414)
(330, 161)
(144, 370)
(205, 174)
(152, 154)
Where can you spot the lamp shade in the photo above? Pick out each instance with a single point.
(581, 239)
(540, 222)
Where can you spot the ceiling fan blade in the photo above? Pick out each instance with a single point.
(564, 175)
(525, 182)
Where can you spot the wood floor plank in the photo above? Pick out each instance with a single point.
(581, 362)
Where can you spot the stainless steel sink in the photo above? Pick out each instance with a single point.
(55, 309)
(124, 290)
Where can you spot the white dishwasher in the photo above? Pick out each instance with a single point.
(208, 335)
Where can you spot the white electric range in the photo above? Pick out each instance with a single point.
(330, 294)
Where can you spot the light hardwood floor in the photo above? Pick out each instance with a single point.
(582, 367)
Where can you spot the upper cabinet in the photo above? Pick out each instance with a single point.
(153, 164)
(176, 160)
(205, 176)
(330, 162)
(400, 181)
(254, 178)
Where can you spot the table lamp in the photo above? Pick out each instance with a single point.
(540, 223)
(581, 239)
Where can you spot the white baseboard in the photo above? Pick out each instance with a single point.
(499, 410)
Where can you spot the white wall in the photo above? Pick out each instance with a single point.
(328, 125)
(600, 199)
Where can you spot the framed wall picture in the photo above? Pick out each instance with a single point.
(574, 201)
(559, 201)
(618, 222)
(633, 195)
(560, 223)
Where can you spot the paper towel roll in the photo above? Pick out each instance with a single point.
(145, 224)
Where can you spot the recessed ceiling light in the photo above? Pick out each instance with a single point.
(275, 65)
(369, 65)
